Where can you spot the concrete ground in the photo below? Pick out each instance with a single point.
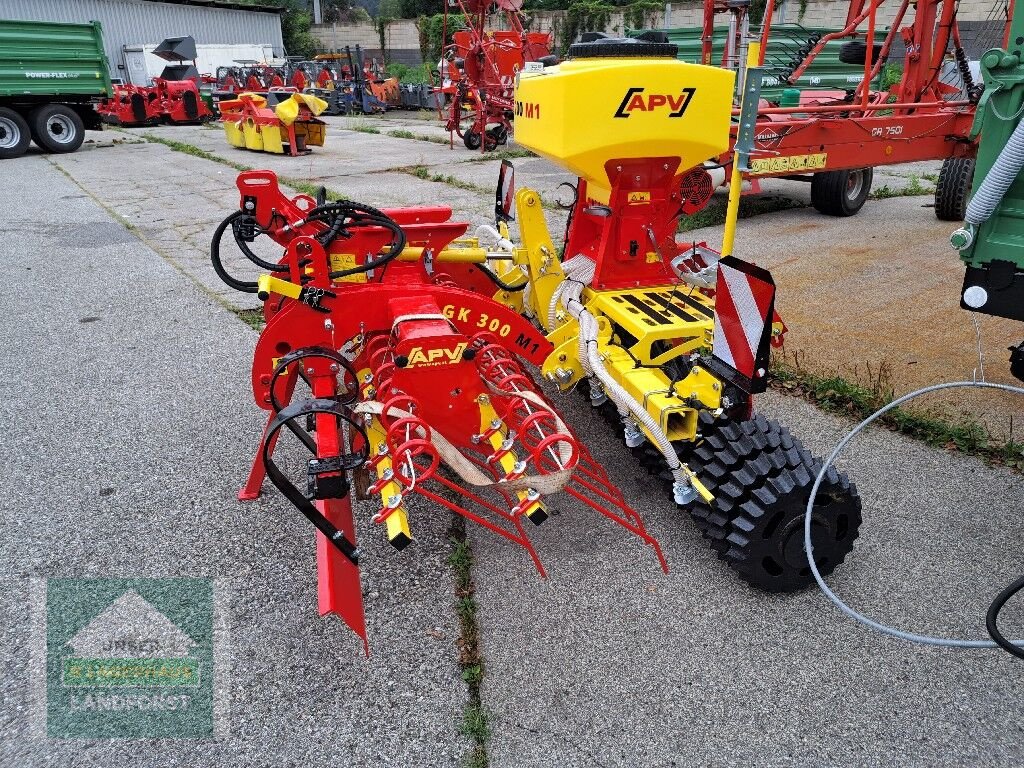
(874, 298)
(608, 662)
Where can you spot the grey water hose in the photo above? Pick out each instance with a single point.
(983, 203)
(999, 178)
(809, 549)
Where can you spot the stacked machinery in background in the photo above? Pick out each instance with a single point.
(348, 83)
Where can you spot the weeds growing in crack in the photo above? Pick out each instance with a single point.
(475, 720)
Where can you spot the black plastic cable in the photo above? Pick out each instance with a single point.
(992, 618)
(501, 283)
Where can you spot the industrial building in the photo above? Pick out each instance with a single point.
(223, 31)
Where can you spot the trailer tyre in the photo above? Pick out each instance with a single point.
(841, 193)
(14, 134)
(56, 128)
(953, 188)
(855, 51)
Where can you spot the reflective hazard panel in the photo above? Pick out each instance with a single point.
(744, 308)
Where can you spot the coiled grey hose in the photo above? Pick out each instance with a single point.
(809, 549)
(999, 178)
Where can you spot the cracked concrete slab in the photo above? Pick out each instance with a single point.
(609, 662)
(129, 426)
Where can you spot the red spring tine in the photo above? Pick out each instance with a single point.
(385, 512)
(411, 450)
(498, 366)
(402, 402)
(408, 424)
(513, 383)
(545, 453)
(376, 342)
(536, 421)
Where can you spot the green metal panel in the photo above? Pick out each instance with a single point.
(40, 58)
(998, 114)
(826, 72)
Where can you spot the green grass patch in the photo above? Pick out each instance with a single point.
(191, 149)
(402, 133)
(837, 394)
(364, 129)
(503, 154)
(475, 724)
(914, 188)
(422, 172)
(251, 317)
(750, 205)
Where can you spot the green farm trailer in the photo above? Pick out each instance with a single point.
(50, 77)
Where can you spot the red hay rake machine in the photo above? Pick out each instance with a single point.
(481, 71)
(834, 138)
(415, 380)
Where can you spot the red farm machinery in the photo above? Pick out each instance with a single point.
(403, 355)
(173, 98)
(479, 69)
(834, 138)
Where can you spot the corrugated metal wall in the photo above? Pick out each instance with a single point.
(134, 22)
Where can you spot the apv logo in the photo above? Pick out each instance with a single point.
(437, 356)
(636, 100)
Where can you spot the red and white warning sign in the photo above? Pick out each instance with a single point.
(504, 197)
(744, 307)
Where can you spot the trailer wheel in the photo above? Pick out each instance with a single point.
(855, 51)
(953, 188)
(471, 139)
(841, 193)
(56, 128)
(14, 134)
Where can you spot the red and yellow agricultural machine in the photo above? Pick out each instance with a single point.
(290, 126)
(481, 68)
(421, 347)
(835, 138)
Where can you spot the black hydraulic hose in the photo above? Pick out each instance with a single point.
(244, 286)
(501, 283)
(992, 618)
(243, 246)
(342, 216)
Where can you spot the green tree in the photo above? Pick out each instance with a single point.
(585, 16)
(432, 37)
(295, 24)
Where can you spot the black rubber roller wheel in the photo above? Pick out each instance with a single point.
(953, 188)
(761, 477)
